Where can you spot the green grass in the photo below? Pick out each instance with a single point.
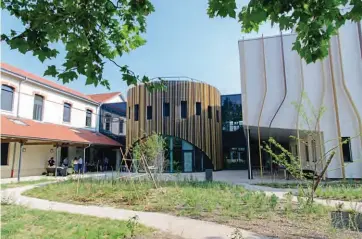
(349, 191)
(20, 222)
(219, 202)
(23, 183)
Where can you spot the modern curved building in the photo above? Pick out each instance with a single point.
(188, 114)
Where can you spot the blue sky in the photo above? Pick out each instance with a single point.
(181, 40)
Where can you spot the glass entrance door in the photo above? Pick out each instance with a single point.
(187, 161)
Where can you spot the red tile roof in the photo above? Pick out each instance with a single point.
(50, 132)
(101, 98)
(41, 80)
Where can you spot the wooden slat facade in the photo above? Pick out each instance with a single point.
(202, 132)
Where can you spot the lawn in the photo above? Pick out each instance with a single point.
(20, 223)
(23, 183)
(349, 191)
(219, 202)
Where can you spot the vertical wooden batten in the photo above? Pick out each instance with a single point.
(202, 132)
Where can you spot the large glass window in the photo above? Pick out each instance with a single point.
(136, 112)
(38, 107)
(67, 112)
(7, 97)
(166, 109)
(149, 112)
(183, 109)
(88, 118)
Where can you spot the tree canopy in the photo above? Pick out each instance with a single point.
(96, 32)
(314, 21)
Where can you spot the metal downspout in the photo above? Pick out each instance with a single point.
(262, 106)
(336, 111)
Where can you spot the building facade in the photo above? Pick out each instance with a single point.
(41, 119)
(188, 114)
(283, 96)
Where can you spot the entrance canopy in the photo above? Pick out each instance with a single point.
(19, 129)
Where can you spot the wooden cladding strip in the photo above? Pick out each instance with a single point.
(200, 131)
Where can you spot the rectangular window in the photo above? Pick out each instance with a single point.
(198, 108)
(166, 109)
(217, 116)
(88, 118)
(7, 97)
(307, 152)
(346, 147)
(38, 107)
(183, 109)
(136, 113)
(121, 122)
(209, 112)
(149, 112)
(66, 112)
(4, 153)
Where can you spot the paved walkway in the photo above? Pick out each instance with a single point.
(181, 226)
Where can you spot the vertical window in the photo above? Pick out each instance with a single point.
(183, 109)
(346, 147)
(66, 112)
(4, 153)
(107, 125)
(7, 96)
(149, 112)
(136, 113)
(121, 122)
(166, 109)
(209, 112)
(217, 116)
(307, 152)
(314, 150)
(88, 118)
(198, 108)
(38, 108)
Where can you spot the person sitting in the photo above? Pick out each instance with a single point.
(51, 163)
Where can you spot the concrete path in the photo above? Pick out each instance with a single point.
(181, 226)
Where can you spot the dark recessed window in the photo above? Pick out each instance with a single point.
(136, 112)
(307, 152)
(209, 112)
(88, 118)
(38, 107)
(149, 112)
(121, 122)
(198, 108)
(7, 96)
(183, 109)
(107, 119)
(346, 147)
(166, 109)
(4, 153)
(66, 112)
(217, 116)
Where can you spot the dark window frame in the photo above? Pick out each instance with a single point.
(198, 108)
(67, 106)
(166, 109)
(149, 112)
(136, 112)
(183, 107)
(346, 149)
(36, 107)
(88, 118)
(10, 90)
